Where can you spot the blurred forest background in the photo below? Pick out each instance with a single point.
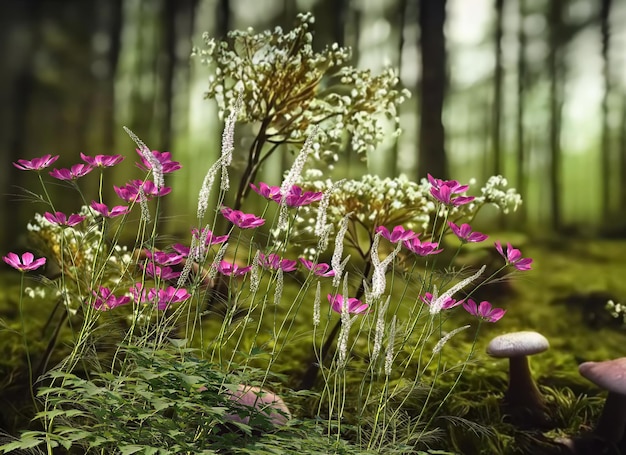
(534, 90)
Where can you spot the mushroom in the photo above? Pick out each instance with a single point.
(611, 376)
(264, 401)
(522, 398)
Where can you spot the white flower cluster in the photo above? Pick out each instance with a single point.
(617, 310)
(496, 192)
(280, 79)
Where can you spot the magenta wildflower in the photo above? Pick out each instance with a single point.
(320, 269)
(444, 190)
(513, 257)
(102, 160)
(483, 310)
(274, 261)
(103, 210)
(398, 234)
(164, 258)
(106, 300)
(26, 263)
(422, 248)
(297, 197)
(206, 236)
(163, 298)
(181, 249)
(165, 158)
(73, 173)
(231, 269)
(61, 219)
(465, 234)
(448, 302)
(268, 192)
(162, 272)
(242, 220)
(36, 164)
(354, 306)
(130, 191)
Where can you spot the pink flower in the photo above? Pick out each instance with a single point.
(61, 218)
(422, 248)
(448, 302)
(354, 306)
(103, 210)
(444, 190)
(130, 192)
(102, 160)
(162, 272)
(164, 258)
(105, 300)
(26, 263)
(513, 257)
(465, 234)
(36, 164)
(321, 269)
(274, 261)
(206, 236)
(297, 197)
(242, 220)
(231, 269)
(483, 310)
(165, 158)
(398, 234)
(268, 192)
(163, 298)
(75, 172)
(181, 249)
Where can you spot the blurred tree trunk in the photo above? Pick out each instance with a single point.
(605, 178)
(330, 22)
(224, 18)
(622, 155)
(521, 180)
(555, 74)
(431, 154)
(497, 91)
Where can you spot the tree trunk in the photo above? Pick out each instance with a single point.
(432, 155)
(605, 178)
(521, 179)
(497, 91)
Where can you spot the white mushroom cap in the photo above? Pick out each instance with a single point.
(516, 344)
(610, 374)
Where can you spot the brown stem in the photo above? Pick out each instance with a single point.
(612, 422)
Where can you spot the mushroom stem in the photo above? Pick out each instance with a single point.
(612, 421)
(523, 391)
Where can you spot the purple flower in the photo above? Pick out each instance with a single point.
(165, 158)
(297, 197)
(206, 236)
(483, 310)
(105, 300)
(444, 190)
(164, 258)
(181, 249)
(354, 306)
(268, 192)
(448, 302)
(513, 257)
(130, 192)
(102, 160)
(26, 263)
(320, 269)
(162, 272)
(242, 220)
(465, 234)
(103, 210)
(61, 218)
(398, 234)
(422, 248)
(231, 269)
(36, 164)
(274, 261)
(163, 298)
(73, 173)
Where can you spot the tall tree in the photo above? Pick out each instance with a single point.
(432, 154)
(622, 155)
(496, 136)
(521, 180)
(555, 73)
(605, 178)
